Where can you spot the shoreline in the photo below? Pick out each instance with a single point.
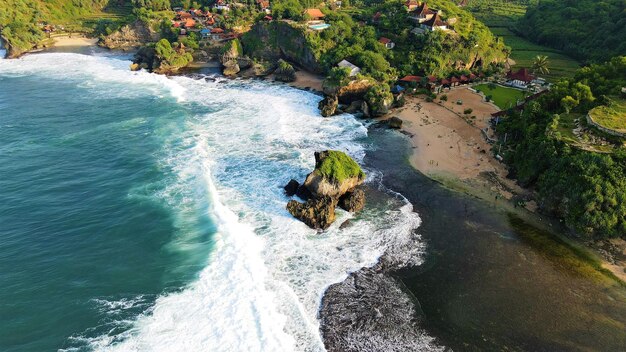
(450, 148)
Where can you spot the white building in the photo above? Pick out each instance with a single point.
(354, 69)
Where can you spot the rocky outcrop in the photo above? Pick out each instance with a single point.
(317, 213)
(351, 92)
(292, 187)
(129, 37)
(231, 68)
(271, 41)
(353, 201)
(285, 72)
(328, 105)
(395, 122)
(333, 181)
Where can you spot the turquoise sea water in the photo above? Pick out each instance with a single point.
(146, 213)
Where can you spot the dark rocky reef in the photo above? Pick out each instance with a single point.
(333, 182)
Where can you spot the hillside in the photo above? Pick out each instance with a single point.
(21, 21)
(576, 180)
(588, 30)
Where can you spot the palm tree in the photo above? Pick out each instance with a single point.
(540, 64)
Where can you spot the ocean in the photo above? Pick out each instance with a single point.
(141, 212)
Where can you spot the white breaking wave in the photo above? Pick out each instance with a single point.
(264, 280)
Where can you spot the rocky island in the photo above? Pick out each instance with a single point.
(334, 181)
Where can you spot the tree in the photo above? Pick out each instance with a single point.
(540, 64)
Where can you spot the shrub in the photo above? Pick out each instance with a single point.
(338, 166)
(467, 111)
(444, 97)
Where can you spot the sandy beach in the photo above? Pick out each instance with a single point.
(449, 145)
(74, 41)
(309, 80)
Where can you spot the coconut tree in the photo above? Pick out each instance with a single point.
(540, 64)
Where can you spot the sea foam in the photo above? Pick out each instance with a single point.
(264, 280)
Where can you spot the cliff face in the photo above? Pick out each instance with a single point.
(282, 40)
(130, 36)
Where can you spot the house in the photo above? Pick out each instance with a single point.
(387, 42)
(205, 33)
(411, 5)
(422, 13)
(190, 23)
(222, 5)
(409, 79)
(314, 14)
(520, 78)
(183, 15)
(217, 33)
(454, 81)
(354, 69)
(434, 23)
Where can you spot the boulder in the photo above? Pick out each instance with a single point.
(303, 193)
(365, 109)
(328, 106)
(244, 62)
(353, 201)
(292, 187)
(231, 68)
(285, 72)
(335, 174)
(354, 107)
(316, 213)
(395, 122)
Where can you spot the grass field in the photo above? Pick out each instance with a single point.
(503, 97)
(500, 18)
(612, 117)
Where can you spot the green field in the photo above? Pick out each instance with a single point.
(612, 117)
(500, 18)
(503, 97)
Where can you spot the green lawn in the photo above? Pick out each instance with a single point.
(613, 117)
(503, 97)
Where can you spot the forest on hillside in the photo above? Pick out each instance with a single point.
(586, 189)
(589, 30)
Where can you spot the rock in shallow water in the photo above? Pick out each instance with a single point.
(316, 213)
(353, 201)
(291, 188)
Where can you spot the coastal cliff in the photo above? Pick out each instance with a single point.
(130, 36)
(286, 40)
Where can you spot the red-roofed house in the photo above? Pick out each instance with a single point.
(521, 77)
(190, 23)
(472, 77)
(454, 80)
(417, 79)
(183, 15)
(314, 14)
(444, 82)
(464, 79)
(432, 79)
(387, 42)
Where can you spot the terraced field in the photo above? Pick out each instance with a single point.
(500, 17)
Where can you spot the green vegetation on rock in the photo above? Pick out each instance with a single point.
(338, 166)
(611, 116)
